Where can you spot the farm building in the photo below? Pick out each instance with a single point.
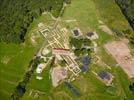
(92, 35)
(76, 32)
(60, 51)
(106, 77)
(85, 61)
(39, 70)
(84, 68)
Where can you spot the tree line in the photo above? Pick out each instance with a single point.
(21, 88)
(127, 8)
(16, 16)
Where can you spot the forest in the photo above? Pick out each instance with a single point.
(127, 8)
(16, 16)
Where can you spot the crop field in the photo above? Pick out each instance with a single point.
(86, 15)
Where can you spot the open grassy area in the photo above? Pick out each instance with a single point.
(12, 71)
(84, 13)
(109, 12)
(43, 85)
(14, 60)
(87, 13)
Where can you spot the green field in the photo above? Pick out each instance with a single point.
(87, 14)
(14, 60)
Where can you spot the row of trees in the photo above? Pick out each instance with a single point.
(131, 87)
(78, 44)
(127, 8)
(21, 87)
(16, 16)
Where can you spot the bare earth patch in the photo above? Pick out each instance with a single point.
(120, 51)
(34, 38)
(105, 29)
(58, 74)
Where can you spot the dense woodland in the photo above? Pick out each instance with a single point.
(80, 45)
(16, 16)
(127, 8)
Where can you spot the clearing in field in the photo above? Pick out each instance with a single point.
(121, 53)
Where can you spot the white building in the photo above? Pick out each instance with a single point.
(39, 70)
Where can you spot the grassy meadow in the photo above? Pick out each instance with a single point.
(14, 60)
